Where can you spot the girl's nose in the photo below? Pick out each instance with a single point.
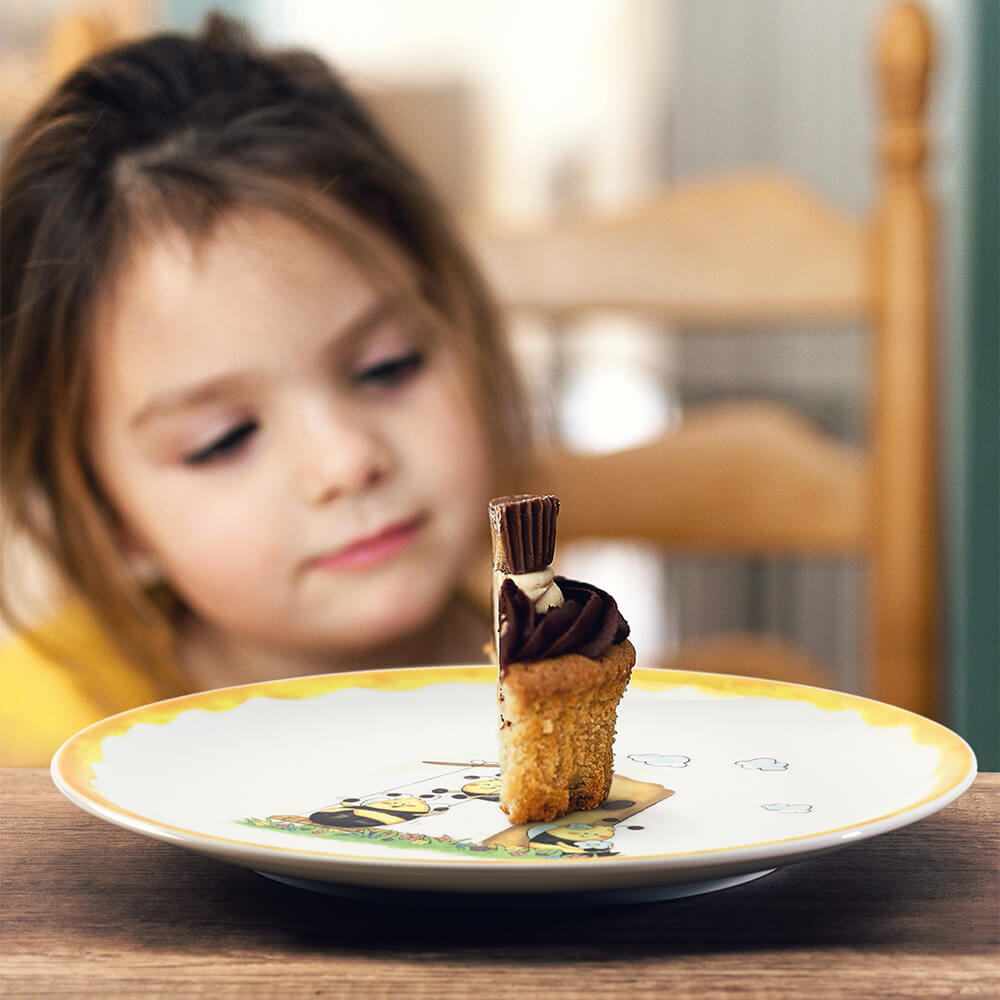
(338, 456)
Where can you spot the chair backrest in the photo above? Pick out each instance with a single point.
(763, 252)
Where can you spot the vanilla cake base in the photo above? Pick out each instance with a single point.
(557, 729)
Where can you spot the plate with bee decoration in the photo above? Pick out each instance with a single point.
(387, 781)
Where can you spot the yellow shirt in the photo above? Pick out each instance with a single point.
(44, 701)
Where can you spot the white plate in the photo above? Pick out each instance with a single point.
(718, 779)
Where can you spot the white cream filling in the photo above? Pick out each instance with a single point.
(539, 587)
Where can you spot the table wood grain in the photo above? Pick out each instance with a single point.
(89, 909)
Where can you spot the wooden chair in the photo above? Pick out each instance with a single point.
(760, 251)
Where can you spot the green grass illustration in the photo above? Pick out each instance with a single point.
(392, 838)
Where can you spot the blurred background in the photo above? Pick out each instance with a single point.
(524, 112)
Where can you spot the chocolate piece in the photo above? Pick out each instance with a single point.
(524, 532)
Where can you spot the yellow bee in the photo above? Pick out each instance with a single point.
(575, 838)
(387, 810)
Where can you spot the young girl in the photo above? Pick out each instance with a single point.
(254, 397)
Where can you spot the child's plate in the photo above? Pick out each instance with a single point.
(387, 780)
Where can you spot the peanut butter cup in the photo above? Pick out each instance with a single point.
(524, 532)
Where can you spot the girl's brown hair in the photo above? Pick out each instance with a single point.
(176, 131)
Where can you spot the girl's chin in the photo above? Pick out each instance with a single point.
(391, 623)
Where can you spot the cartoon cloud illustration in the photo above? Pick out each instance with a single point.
(762, 764)
(660, 759)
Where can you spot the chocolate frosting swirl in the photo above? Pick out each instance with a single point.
(588, 622)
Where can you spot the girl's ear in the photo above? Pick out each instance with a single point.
(144, 568)
(142, 565)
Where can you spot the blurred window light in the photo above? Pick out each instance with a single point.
(616, 389)
(607, 407)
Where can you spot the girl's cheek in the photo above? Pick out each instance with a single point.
(215, 537)
(465, 450)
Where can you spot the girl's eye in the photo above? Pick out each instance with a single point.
(392, 371)
(223, 447)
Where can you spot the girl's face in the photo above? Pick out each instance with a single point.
(296, 448)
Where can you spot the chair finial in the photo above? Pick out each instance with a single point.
(905, 56)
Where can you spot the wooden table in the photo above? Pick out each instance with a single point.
(89, 909)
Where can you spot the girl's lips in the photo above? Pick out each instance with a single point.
(374, 549)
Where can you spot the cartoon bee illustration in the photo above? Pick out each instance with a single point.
(580, 834)
(377, 810)
(590, 839)
(590, 833)
(418, 800)
(487, 789)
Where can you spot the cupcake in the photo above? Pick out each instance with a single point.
(564, 663)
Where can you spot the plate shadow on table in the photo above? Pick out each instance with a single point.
(848, 898)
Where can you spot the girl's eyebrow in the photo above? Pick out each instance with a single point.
(383, 308)
(180, 399)
(172, 401)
